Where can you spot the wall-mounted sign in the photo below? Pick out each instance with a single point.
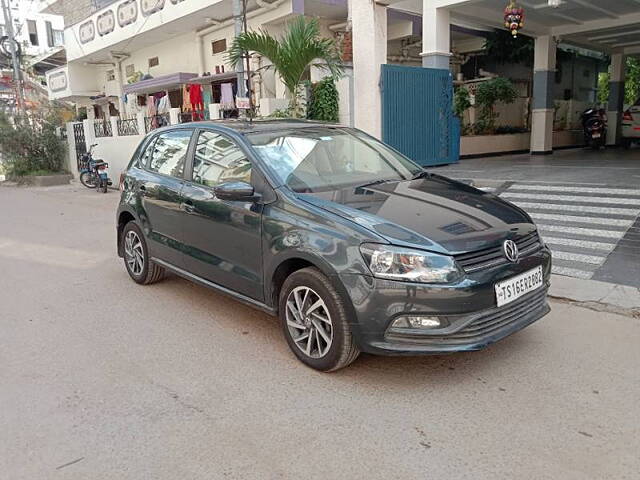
(127, 13)
(86, 32)
(57, 81)
(106, 22)
(151, 6)
(242, 103)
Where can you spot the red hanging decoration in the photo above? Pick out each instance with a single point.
(513, 18)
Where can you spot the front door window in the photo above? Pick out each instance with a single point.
(218, 160)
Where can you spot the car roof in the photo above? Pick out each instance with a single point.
(243, 126)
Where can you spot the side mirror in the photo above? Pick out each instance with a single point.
(235, 191)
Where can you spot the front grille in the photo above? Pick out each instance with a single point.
(499, 318)
(485, 325)
(493, 257)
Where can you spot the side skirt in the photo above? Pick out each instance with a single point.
(206, 283)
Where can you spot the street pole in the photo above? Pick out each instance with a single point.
(238, 25)
(17, 73)
(251, 112)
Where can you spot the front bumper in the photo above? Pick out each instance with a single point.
(475, 320)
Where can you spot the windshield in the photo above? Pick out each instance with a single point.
(318, 159)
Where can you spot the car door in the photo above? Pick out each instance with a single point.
(160, 190)
(222, 237)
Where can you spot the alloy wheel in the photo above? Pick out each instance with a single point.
(134, 252)
(309, 322)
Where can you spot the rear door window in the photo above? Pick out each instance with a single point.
(168, 154)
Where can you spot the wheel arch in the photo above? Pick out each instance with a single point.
(124, 216)
(285, 265)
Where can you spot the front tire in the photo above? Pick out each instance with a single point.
(136, 256)
(314, 320)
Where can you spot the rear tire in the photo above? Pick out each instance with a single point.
(136, 256)
(87, 179)
(320, 337)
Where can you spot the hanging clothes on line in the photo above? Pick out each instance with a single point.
(186, 101)
(226, 97)
(195, 97)
(164, 104)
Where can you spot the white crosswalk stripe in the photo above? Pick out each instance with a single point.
(615, 222)
(531, 206)
(575, 198)
(580, 230)
(567, 189)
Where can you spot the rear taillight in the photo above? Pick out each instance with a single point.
(627, 117)
(121, 186)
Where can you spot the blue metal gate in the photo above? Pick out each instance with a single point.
(417, 114)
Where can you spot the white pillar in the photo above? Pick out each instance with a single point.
(616, 98)
(544, 67)
(369, 27)
(114, 125)
(436, 36)
(89, 132)
(140, 116)
(72, 158)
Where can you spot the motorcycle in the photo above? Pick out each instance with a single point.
(594, 125)
(96, 174)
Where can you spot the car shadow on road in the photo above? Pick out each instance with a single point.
(405, 372)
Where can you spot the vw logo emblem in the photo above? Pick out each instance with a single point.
(511, 250)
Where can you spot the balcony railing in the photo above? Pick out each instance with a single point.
(128, 127)
(102, 128)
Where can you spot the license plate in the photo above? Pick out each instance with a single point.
(595, 135)
(516, 287)
(103, 172)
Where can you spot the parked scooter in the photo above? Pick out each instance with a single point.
(594, 125)
(96, 174)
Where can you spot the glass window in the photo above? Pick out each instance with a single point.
(169, 152)
(219, 46)
(49, 29)
(323, 158)
(218, 160)
(33, 32)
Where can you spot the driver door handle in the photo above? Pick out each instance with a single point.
(188, 206)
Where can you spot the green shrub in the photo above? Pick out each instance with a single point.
(30, 144)
(461, 101)
(487, 95)
(323, 103)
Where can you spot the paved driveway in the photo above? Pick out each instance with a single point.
(104, 379)
(585, 203)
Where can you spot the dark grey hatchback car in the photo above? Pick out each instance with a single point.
(353, 246)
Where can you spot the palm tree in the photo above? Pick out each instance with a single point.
(292, 55)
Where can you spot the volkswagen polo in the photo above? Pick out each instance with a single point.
(353, 247)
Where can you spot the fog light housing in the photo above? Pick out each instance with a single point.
(420, 322)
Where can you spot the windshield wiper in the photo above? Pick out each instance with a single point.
(421, 174)
(375, 182)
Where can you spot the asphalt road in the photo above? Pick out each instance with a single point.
(102, 378)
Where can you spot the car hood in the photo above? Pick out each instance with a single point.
(432, 213)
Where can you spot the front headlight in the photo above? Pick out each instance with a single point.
(399, 263)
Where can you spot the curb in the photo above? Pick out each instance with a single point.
(600, 296)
